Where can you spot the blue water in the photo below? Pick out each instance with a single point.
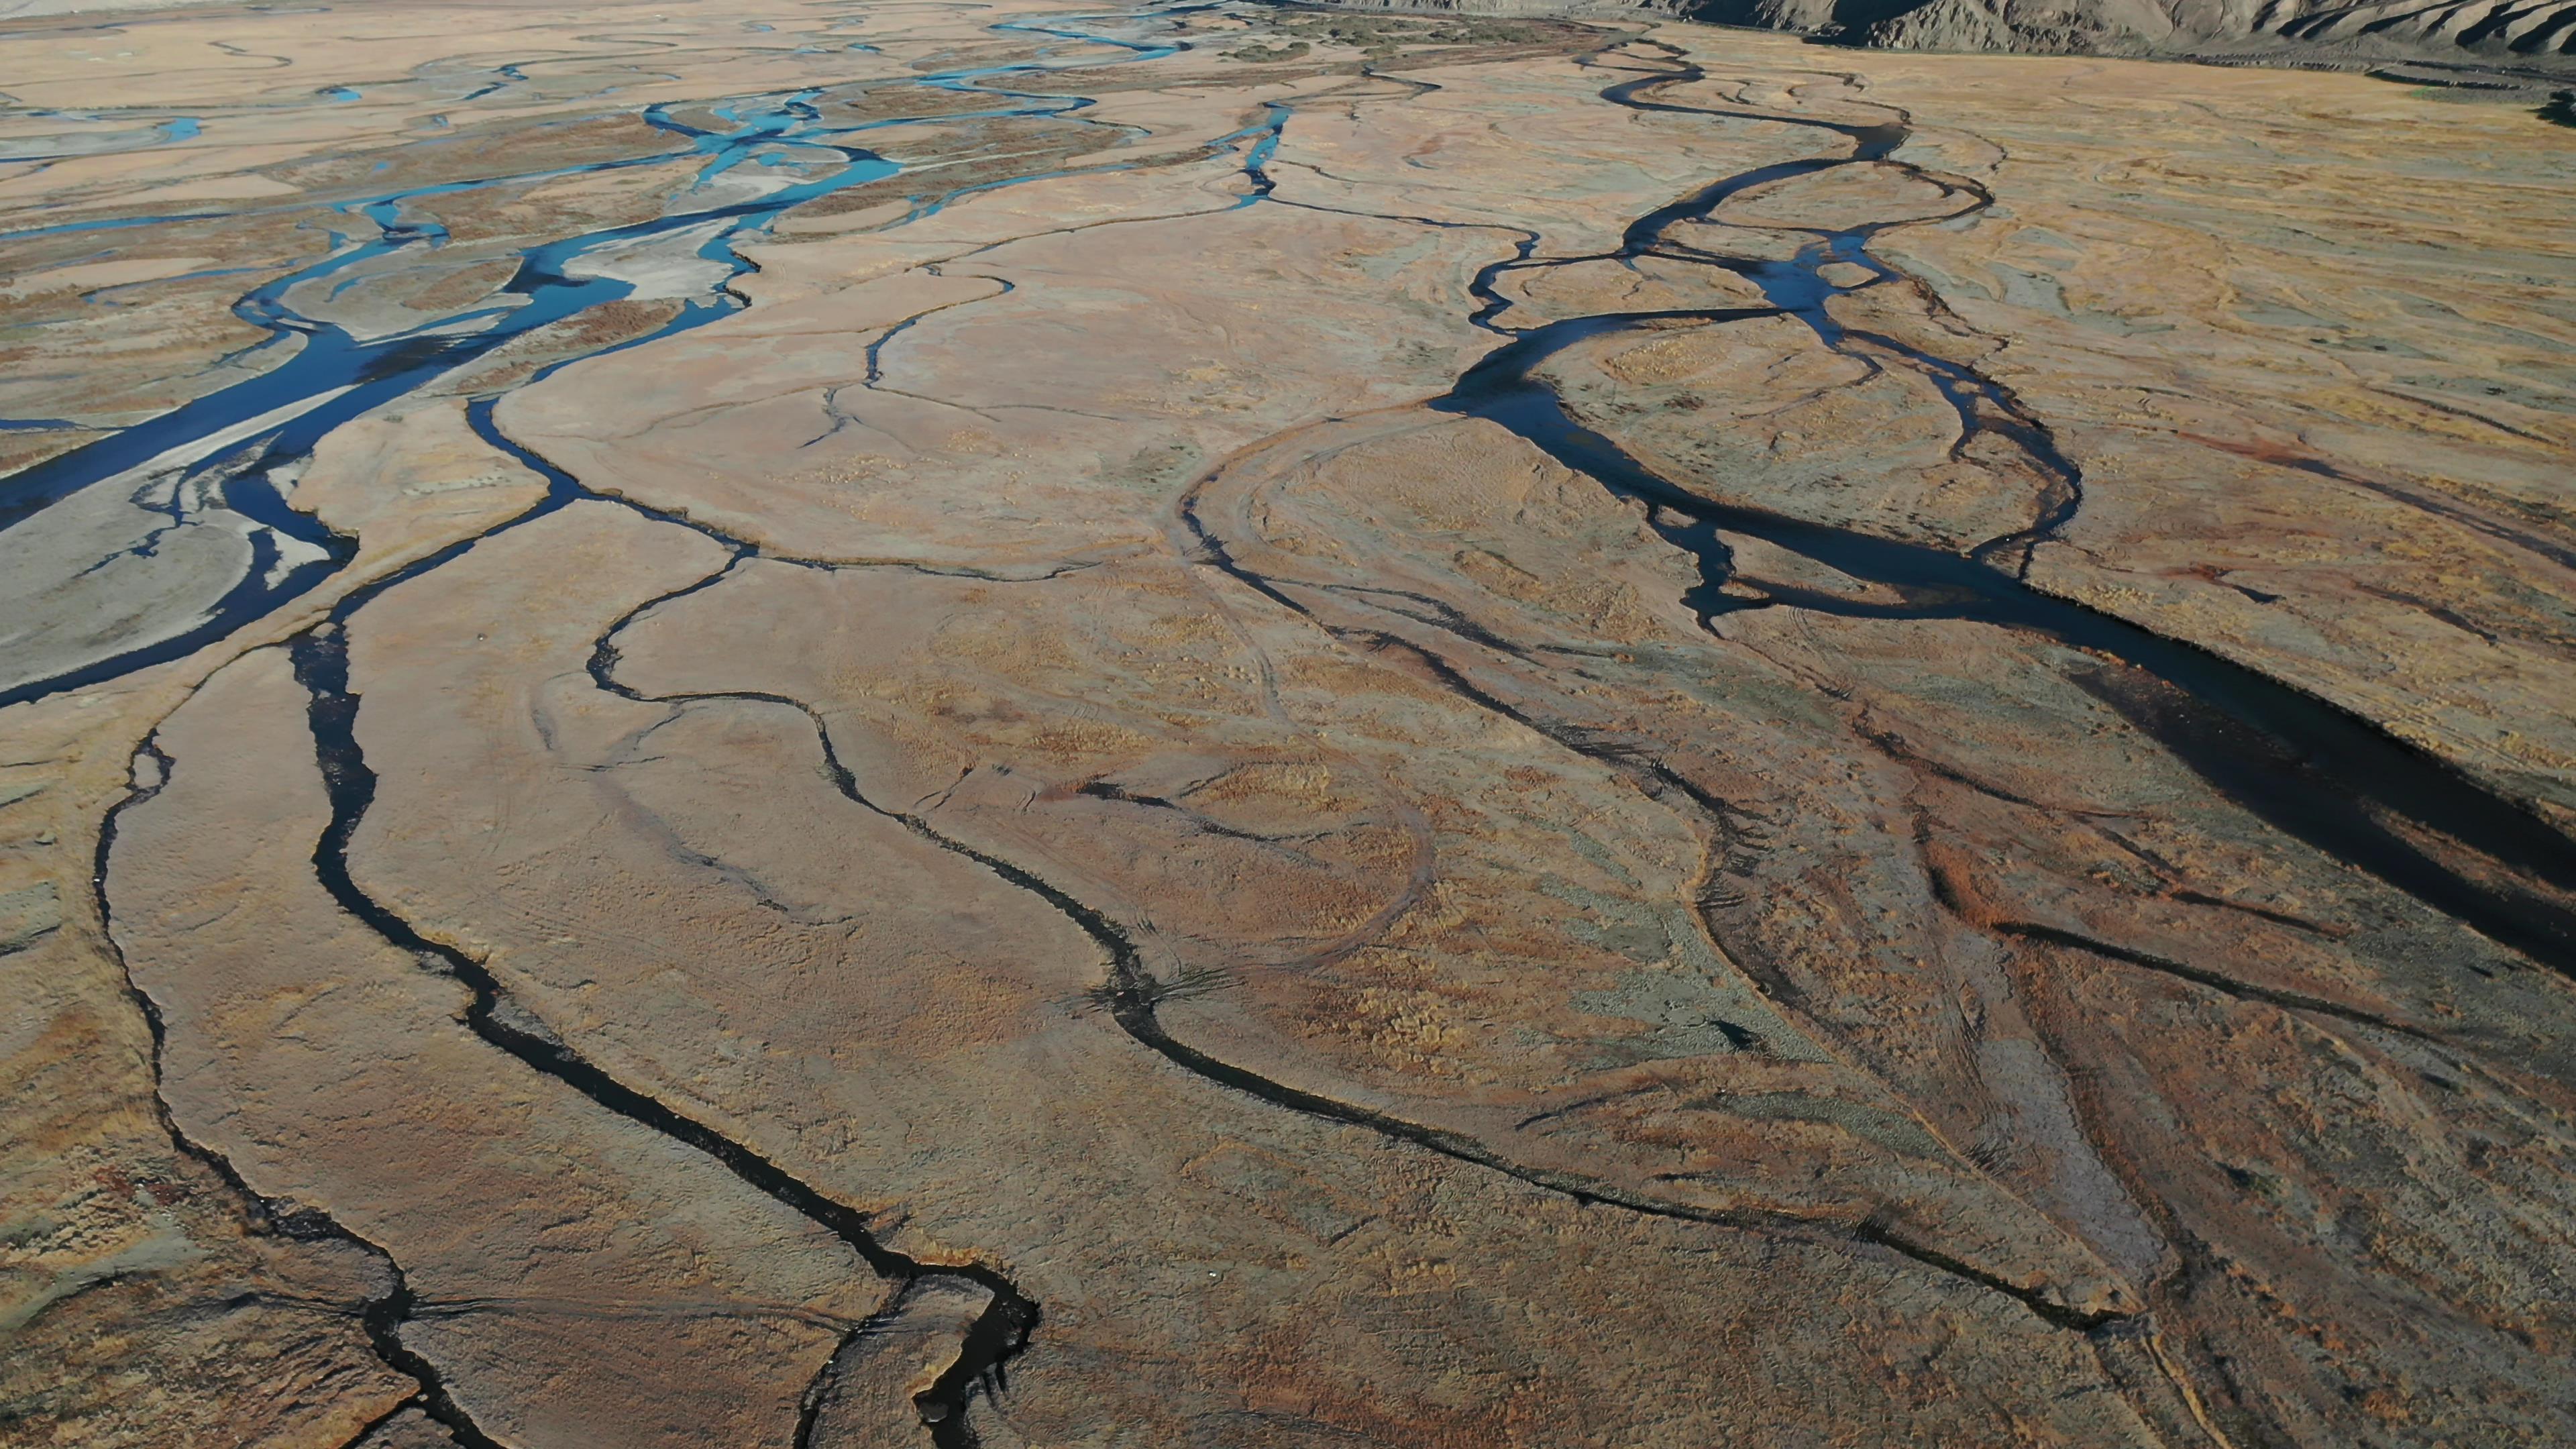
(1264, 137)
(336, 376)
(47, 148)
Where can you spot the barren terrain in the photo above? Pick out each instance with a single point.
(1220, 726)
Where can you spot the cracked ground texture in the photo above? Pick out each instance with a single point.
(1215, 726)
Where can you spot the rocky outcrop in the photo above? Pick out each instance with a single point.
(2504, 44)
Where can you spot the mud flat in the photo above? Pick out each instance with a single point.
(1038, 726)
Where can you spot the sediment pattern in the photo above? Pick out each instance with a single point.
(1215, 726)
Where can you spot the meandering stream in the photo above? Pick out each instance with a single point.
(234, 450)
(2310, 770)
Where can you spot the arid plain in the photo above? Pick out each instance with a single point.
(1203, 725)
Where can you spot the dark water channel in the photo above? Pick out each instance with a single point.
(2305, 767)
(2314, 772)
(334, 376)
(331, 376)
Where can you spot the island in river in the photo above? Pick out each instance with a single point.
(1204, 725)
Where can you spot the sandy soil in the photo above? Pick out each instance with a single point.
(1041, 727)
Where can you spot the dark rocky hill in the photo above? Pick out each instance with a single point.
(2508, 43)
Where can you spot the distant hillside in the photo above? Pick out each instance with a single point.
(2536, 37)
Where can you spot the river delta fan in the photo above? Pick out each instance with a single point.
(1272, 727)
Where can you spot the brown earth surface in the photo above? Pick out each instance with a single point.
(1031, 726)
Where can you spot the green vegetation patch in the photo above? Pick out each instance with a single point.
(1269, 54)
